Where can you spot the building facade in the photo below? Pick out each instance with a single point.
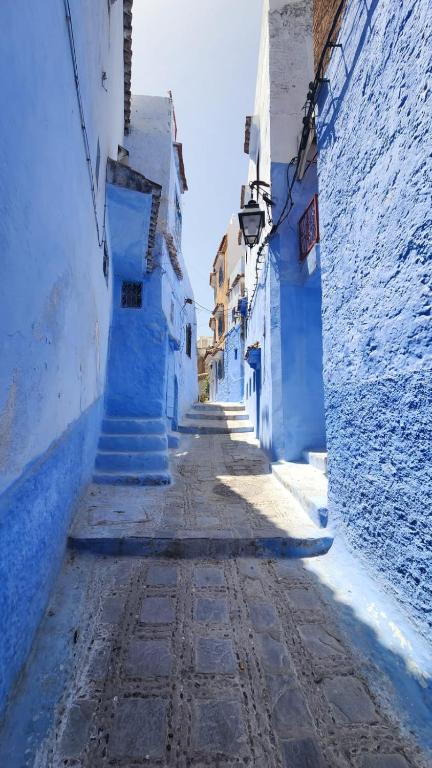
(225, 360)
(373, 128)
(67, 200)
(284, 386)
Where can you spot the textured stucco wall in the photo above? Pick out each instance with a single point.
(54, 301)
(374, 178)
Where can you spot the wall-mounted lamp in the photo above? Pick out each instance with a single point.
(251, 220)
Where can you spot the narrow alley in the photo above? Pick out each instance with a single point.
(210, 650)
(215, 384)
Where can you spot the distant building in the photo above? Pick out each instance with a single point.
(284, 392)
(225, 360)
(159, 343)
(203, 345)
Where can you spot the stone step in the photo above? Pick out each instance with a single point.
(128, 426)
(133, 442)
(219, 406)
(131, 461)
(131, 478)
(218, 416)
(173, 439)
(317, 459)
(202, 546)
(193, 427)
(308, 485)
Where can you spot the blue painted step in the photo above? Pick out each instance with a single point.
(132, 478)
(133, 442)
(132, 462)
(121, 426)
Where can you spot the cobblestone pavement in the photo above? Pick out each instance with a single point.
(206, 662)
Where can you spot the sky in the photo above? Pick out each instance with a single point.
(205, 52)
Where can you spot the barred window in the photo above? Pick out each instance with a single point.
(131, 297)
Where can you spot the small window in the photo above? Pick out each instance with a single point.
(131, 297)
(235, 354)
(105, 263)
(220, 325)
(221, 275)
(233, 314)
(189, 340)
(220, 369)
(97, 163)
(254, 381)
(178, 218)
(172, 311)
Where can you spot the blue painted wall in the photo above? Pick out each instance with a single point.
(230, 389)
(137, 348)
(375, 170)
(54, 301)
(286, 321)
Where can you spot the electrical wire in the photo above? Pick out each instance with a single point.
(100, 235)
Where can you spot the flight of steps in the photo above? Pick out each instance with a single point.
(132, 452)
(216, 419)
(307, 481)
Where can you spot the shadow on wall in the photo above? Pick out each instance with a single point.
(327, 130)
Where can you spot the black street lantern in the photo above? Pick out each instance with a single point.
(251, 220)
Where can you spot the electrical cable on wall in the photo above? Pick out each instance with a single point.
(100, 236)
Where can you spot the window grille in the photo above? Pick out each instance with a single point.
(235, 354)
(220, 325)
(131, 297)
(189, 340)
(221, 275)
(309, 228)
(220, 369)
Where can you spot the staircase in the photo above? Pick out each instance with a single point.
(132, 452)
(216, 419)
(307, 481)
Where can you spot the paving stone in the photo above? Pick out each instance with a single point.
(272, 654)
(218, 727)
(157, 610)
(209, 576)
(349, 701)
(263, 617)
(304, 599)
(290, 715)
(212, 610)
(249, 568)
(112, 609)
(76, 732)
(320, 642)
(148, 658)
(214, 656)
(162, 576)
(138, 730)
(301, 753)
(383, 761)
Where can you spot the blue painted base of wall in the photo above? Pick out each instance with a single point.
(35, 514)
